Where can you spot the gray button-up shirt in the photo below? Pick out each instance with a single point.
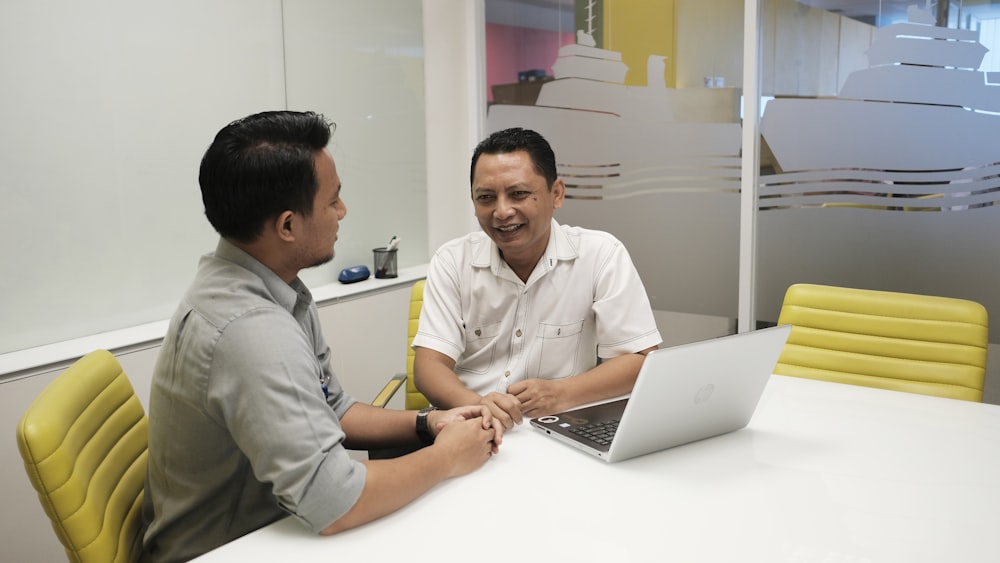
(240, 431)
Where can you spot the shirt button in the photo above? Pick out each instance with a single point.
(479, 332)
(506, 374)
(518, 333)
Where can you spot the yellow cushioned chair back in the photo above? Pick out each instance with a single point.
(414, 399)
(900, 341)
(83, 441)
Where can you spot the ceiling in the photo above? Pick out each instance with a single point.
(884, 12)
(874, 12)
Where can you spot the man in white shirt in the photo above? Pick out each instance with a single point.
(515, 317)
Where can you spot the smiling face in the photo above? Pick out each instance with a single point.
(514, 207)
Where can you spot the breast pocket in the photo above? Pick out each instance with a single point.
(480, 348)
(558, 348)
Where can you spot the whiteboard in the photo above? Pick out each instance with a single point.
(105, 111)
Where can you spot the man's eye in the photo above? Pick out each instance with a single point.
(484, 197)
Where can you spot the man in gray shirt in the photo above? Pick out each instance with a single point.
(247, 422)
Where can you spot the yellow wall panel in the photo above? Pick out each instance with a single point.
(637, 29)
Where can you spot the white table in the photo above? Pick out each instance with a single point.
(824, 473)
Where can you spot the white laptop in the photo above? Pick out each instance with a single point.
(682, 394)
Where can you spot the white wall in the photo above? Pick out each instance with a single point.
(109, 105)
(105, 118)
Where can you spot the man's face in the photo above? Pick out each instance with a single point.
(515, 206)
(328, 210)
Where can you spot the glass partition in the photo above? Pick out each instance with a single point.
(880, 161)
(879, 165)
(641, 103)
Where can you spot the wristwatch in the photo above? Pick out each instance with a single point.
(423, 431)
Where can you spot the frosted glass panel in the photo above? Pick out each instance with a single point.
(892, 183)
(641, 106)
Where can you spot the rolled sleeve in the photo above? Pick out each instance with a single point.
(441, 315)
(274, 405)
(625, 322)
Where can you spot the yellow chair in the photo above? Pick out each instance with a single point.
(901, 341)
(83, 441)
(414, 399)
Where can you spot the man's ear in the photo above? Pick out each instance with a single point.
(559, 193)
(284, 225)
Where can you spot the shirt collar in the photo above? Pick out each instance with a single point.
(286, 295)
(558, 248)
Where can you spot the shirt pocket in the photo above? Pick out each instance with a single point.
(480, 348)
(558, 348)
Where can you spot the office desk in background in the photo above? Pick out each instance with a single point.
(824, 473)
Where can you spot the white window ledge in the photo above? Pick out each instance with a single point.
(41, 359)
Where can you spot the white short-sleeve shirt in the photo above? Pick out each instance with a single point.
(584, 299)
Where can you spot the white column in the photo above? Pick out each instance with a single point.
(454, 78)
(750, 168)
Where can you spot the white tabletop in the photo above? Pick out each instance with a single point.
(824, 473)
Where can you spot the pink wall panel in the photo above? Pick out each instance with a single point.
(510, 50)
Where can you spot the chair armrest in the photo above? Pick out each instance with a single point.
(390, 388)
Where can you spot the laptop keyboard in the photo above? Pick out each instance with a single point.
(599, 432)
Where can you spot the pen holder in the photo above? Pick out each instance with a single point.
(385, 262)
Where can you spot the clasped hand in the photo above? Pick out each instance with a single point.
(531, 398)
(439, 419)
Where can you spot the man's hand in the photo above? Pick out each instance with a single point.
(438, 420)
(506, 409)
(469, 444)
(539, 397)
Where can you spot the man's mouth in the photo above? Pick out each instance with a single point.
(509, 228)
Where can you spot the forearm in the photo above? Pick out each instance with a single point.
(462, 444)
(369, 427)
(434, 375)
(447, 393)
(611, 378)
(392, 484)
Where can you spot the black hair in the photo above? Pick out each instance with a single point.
(519, 139)
(259, 167)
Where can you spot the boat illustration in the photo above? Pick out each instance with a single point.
(614, 140)
(921, 117)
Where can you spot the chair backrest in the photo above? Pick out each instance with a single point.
(414, 399)
(83, 441)
(901, 341)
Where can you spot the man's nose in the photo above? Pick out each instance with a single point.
(504, 208)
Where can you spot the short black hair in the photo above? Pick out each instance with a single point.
(519, 139)
(260, 166)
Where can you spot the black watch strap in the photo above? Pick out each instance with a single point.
(423, 430)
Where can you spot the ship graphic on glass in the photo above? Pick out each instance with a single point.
(615, 141)
(918, 130)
